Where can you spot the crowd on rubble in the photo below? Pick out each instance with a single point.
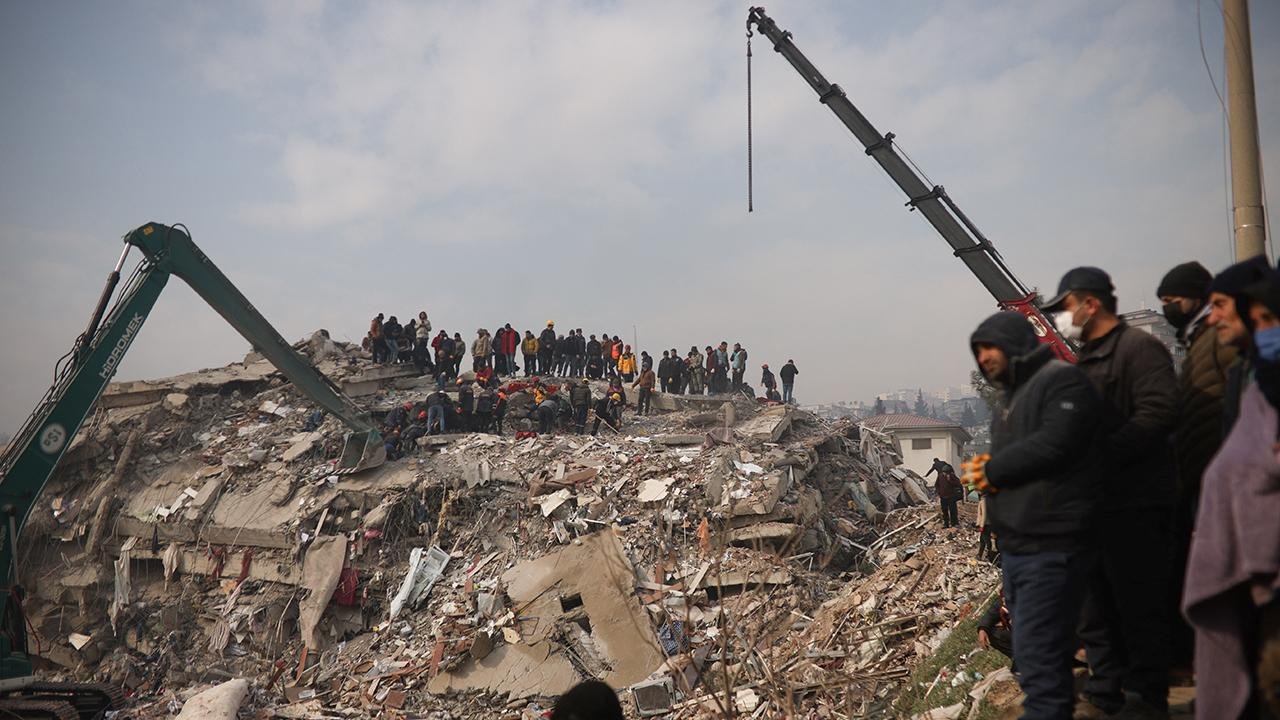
(1137, 509)
(483, 399)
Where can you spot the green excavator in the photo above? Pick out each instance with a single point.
(31, 458)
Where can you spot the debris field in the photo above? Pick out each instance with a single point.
(720, 557)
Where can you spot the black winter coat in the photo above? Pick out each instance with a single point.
(1133, 373)
(1043, 445)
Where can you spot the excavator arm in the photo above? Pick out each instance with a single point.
(33, 455)
(966, 241)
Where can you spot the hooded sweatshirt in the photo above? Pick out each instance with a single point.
(1043, 443)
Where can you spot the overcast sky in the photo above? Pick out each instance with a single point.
(585, 162)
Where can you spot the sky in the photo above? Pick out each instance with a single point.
(585, 162)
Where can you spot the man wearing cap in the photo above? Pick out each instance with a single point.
(1198, 434)
(1040, 484)
(1126, 619)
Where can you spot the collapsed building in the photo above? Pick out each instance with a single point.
(717, 553)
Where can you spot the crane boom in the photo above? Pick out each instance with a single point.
(966, 241)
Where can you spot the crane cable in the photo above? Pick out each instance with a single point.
(750, 180)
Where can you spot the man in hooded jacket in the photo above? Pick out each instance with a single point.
(1039, 481)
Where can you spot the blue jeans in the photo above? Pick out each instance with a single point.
(435, 412)
(1044, 593)
(786, 392)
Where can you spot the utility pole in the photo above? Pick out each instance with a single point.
(1242, 117)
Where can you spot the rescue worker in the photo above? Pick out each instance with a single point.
(529, 348)
(645, 383)
(580, 401)
(950, 493)
(627, 364)
(439, 405)
(606, 410)
(767, 380)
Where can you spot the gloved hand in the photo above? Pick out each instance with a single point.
(975, 474)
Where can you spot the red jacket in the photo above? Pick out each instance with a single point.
(948, 486)
(509, 342)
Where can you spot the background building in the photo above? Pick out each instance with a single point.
(923, 439)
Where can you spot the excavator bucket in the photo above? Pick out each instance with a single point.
(361, 451)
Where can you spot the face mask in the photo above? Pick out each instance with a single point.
(1174, 313)
(1268, 344)
(1064, 321)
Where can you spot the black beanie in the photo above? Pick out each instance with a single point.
(1190, 280)
(1235, 278)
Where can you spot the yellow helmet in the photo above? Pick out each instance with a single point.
(617, 397)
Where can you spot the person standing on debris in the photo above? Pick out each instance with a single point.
(376, 344)
(484, 409)
(722, 367)
(1125, 625)
(508, 346)
(1198, 434)
(580, 401)
(459, 351)
(529, 347)
(391, 333)
(480, 349)
(664, 370)
(546, 348)
(422, 333)
(438, 405)
(767, 380)
(788, 375)
(697, 373)
(499, 412)
(985, 549)
(677, 382)
(1040, 484)
(950, 492)
(558, 358)
(627, 364)
(443, 345)
(1232, 595)
(466, 405)
(738, 363)
(645, 383)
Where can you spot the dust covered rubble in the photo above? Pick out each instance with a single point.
(719, 551)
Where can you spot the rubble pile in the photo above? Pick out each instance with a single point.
(720, 551)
